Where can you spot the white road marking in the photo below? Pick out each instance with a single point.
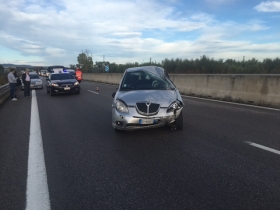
(263, 147)
(226, 102)
(37, 192)
(93, 92)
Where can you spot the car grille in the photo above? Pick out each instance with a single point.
(66, 85)
(146, 108)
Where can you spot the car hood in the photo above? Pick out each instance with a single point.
(65, 81)
(36, 80)
(162, 97)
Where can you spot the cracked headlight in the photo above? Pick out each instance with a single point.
(176, 105)
(121, 106)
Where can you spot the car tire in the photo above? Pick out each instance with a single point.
(179, 123)
(48, 90)
(78, 92)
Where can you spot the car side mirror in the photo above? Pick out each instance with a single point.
(113, 95)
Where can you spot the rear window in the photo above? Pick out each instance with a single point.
(52, 69)
(61, 76)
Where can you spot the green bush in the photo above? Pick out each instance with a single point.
(3, 79)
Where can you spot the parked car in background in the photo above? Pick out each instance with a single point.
(58, 83)
(146, 98)
(43, 73)
(54, 69)
(71, 71)
(35, 81)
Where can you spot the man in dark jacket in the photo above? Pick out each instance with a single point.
(26, 81)
(18, 85)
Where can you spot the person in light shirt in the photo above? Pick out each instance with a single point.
(26, 81)
(12, 82)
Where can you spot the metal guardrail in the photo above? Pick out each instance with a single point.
(4, 89)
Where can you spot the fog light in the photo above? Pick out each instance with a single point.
(119, 123)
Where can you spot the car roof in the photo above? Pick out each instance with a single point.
(60, 73)
(56, 66)
(153, 69)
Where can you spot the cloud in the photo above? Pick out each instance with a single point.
(54, 28)
(124, 30)
(219, 1)
(268, 6)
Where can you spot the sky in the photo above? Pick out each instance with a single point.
(55, 32)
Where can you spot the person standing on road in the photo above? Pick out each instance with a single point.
(26, 81)
(18, 85)
(79, 75)
(12, 82)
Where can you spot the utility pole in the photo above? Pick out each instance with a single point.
(243, 59)
(150, 61)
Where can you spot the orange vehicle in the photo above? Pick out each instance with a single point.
(79, 75)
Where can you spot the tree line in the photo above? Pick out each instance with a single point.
(202, 65)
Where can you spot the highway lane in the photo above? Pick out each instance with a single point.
(90, 166)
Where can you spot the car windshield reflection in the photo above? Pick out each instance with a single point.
(144, 80)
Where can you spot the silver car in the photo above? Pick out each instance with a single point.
(43, 73)
(35, 81)
(146, 98)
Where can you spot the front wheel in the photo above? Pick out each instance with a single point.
(179, 121)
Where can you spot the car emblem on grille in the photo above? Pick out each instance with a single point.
(148, 106)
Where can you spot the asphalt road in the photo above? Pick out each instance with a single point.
(207, 165)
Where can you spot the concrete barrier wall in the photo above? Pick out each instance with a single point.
(109, 78)
(252, 89)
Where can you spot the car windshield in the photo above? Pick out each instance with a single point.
(34, 76)
(144, 80)
(61, 76)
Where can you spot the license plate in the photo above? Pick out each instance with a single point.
(67, 88)
(146, 121)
